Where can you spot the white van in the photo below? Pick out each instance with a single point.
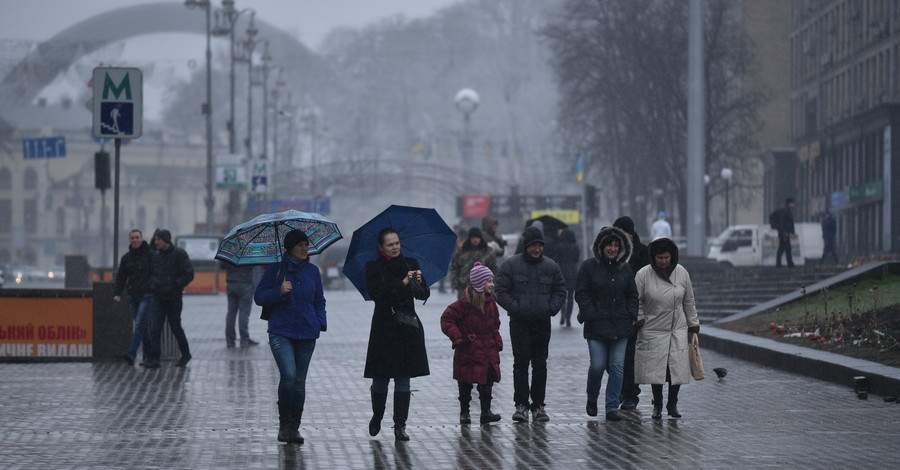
(757, 245)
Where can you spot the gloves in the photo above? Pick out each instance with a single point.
(694, 329)
(323, 327)
(638, 325)
(580, 317)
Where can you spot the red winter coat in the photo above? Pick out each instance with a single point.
(481, 342)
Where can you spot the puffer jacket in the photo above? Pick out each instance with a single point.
(135, 271)
(299, 314)
(465, 257)
(530, 289)
(605, 290)
(172, 272)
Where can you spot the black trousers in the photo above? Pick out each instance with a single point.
(630, 390)
(784, 246)
(530, 342)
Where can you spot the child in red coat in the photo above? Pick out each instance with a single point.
(473, 325)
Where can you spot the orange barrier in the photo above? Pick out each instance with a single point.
(205, 281)
(51, 327)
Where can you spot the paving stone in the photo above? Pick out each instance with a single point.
(219, 412)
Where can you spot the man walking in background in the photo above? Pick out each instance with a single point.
(239, 289)
(135, 270)
(172, 272)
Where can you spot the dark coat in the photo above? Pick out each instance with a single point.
(394, 350)
(530, 289)
(566, 255)
(299, 314)
(135, 271)
(640, 255)
(606, 293)
(481, 343)
(172, 272)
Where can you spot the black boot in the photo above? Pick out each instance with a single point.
(296, 415)
(401, 412)
(284, 415)
(657, 410)
(378, 403)
(485, 397)
(672, 404)
(465, 397)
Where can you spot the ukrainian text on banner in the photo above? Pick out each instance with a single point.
(46, 327)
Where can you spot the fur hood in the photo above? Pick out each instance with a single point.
(605, 236)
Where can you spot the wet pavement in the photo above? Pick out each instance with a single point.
(220, 411)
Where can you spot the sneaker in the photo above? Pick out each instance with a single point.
(183, 361)
(591, 408)
(464, 418)
(248, 343)
(521, 414)
(613, 416)
(538, 414)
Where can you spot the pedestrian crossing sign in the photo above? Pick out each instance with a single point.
(118, 102)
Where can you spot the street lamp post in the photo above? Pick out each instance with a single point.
(249, 45)
(726, 175)
(231, 16)
(207, 110)
(466, 101)
(266, 59)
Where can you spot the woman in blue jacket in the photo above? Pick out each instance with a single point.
(291, 293)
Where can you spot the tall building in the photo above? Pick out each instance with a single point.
(845, 117)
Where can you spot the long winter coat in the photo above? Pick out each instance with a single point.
(667, 308)
(566, 255)
(299, 314)
(605, 290)
(394, 350)
(481, 343)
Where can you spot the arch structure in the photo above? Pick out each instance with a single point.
(50, 58)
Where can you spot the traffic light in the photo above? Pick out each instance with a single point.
(591, 208)
(101, 171)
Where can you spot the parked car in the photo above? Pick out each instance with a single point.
(56, 273)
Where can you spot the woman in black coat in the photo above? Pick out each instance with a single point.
(607, 305)
(395, 351)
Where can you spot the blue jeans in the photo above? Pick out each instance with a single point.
(292, 356)
(240, 296)
(606, 356)
(140, 307)
(380, 384)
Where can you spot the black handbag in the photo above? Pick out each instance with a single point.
(405, 318)
(267, 309)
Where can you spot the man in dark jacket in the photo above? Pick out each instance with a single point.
(172, 271)
(783, 221)
(640, 257)
(531, 289)
(134, 273)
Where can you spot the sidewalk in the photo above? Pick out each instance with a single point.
(220, 411)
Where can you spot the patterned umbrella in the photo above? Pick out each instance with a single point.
(259, 240)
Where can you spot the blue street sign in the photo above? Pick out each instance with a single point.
(44, 147)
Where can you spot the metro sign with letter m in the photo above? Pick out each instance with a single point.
(118, 102)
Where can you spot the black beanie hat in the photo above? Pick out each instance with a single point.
(475, 232)
(293, 238)
(625, 224)
(532, 235)
(165, 236)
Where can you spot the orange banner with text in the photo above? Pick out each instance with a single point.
(46, 327)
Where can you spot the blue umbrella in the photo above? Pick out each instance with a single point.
(258, 241)
(423, 235)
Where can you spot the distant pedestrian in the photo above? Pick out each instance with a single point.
(607, 306)
(782, 220)
(660, 227)
(490, 227)
(172, 272)
(473, 325)
(474, 249)
(135, 272)
(829, 236)
(640, 257)
(292, 292)
(666, 317)
(395, 351)
(239, 290)
(531, 289)
(567, 255)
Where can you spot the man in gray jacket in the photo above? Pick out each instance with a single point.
(530, 287)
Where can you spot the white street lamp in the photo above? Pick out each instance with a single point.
(467, 102)
(726, 175)
(207, 110)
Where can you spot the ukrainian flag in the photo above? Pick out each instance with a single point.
(580, 168)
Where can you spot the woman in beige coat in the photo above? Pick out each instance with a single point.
(666, 315)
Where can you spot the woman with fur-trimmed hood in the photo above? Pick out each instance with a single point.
(666, 316)
(607, 306)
